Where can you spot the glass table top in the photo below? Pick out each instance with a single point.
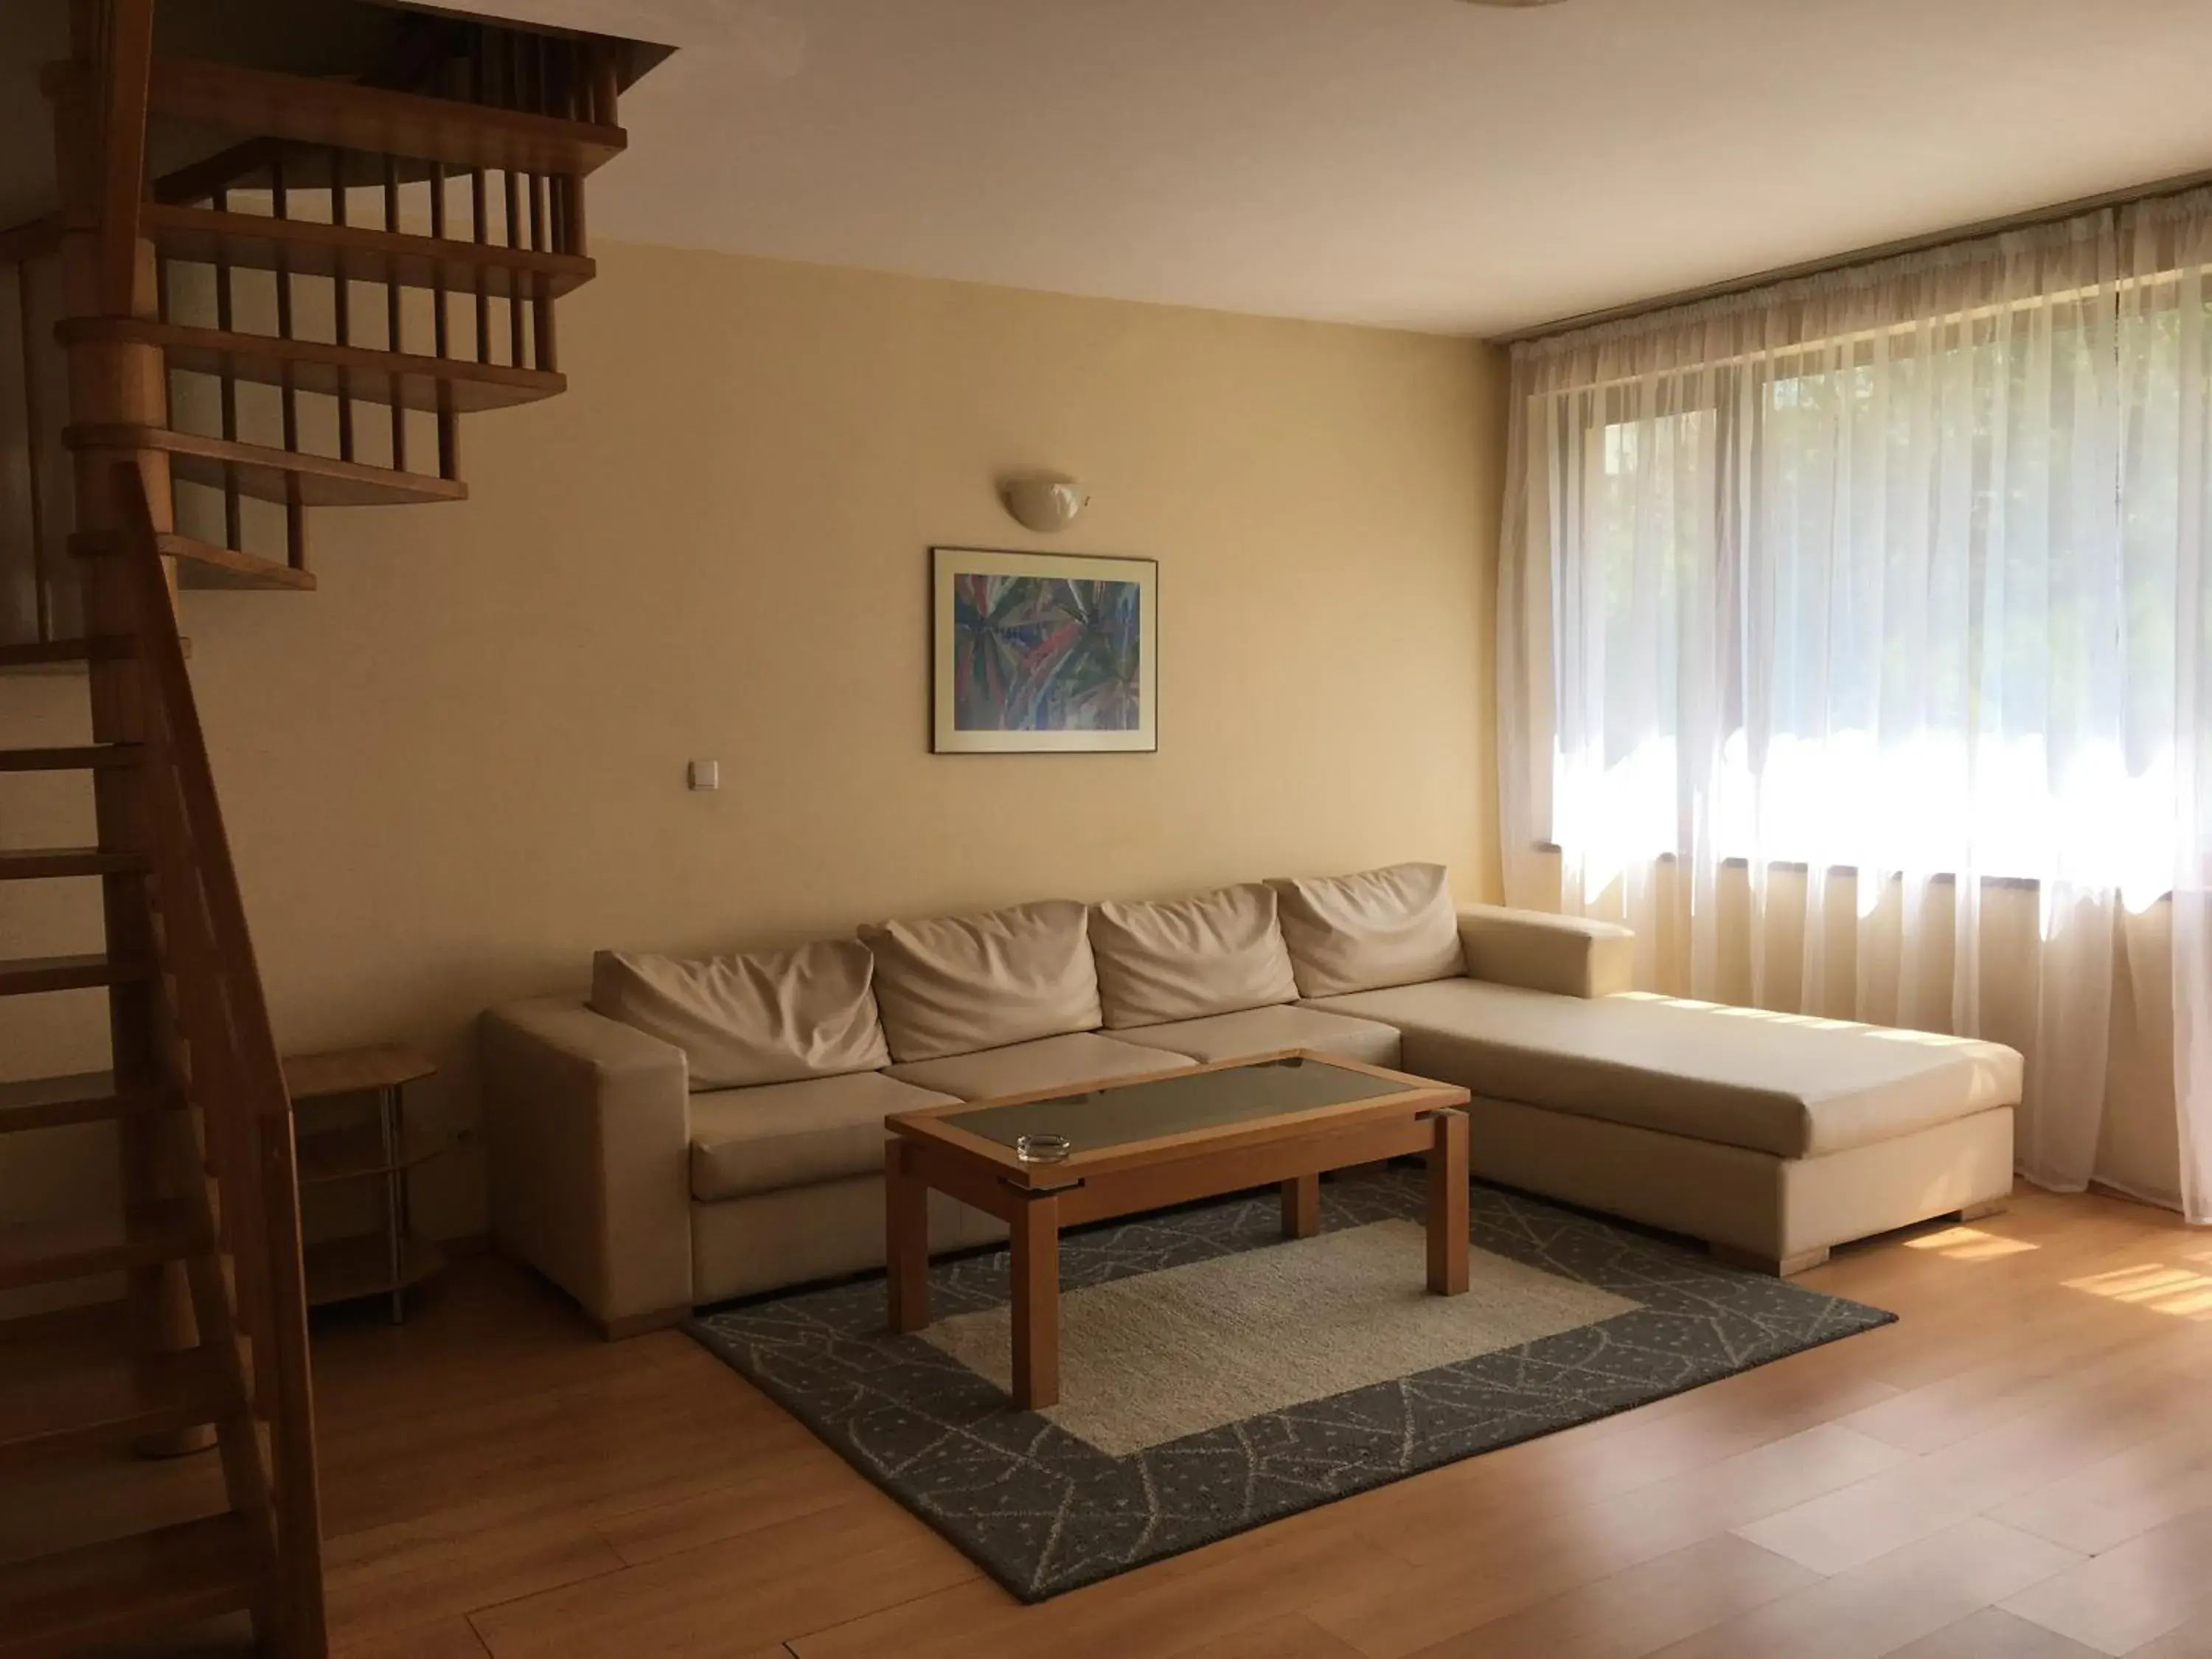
(1119, 1113)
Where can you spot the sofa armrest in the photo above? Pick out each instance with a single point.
(1567, 956)
(587, 1123)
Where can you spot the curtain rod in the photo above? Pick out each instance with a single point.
(1864, 256)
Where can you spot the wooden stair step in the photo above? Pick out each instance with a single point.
(24, 976)
(271, 475)
(83, 757)
(31, 655)
(365, 375)
(138, 1585)
(46, 1102)
(342, 115)
(360, 253)
(53, 1253)
(207, 564)
(42, 863)
(35, 653)
(203, 564)
(86, 1406)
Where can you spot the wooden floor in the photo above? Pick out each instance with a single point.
(2020, 1468)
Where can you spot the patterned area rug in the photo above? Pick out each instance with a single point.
(1215, 1378)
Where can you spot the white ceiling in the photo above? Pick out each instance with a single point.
(1421, 163)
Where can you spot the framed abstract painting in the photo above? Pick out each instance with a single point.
(1049, 652)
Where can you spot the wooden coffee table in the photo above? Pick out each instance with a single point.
(1162, 1138)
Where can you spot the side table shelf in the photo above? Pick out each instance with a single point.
(357, 1152)
(381, 1151)
(348, 1269)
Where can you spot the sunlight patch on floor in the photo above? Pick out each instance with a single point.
(1968, 1244)
(2182, 1292)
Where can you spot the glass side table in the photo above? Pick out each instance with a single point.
(335, 1149)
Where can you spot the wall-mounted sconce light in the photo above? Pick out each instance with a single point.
(1044, 501)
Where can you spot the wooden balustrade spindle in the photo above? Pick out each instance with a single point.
(393, 339)
(42, 575)
(541, 310)
(479, 77)
(574, 240)
(514, 288)
(341, 307)
(605, 83)
(226, 310)
(296, 516)
(544, 351)
(441, 328)
(547, 346)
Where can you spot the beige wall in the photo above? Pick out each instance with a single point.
(458, 768)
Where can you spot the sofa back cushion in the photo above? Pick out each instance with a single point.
(765, 1016)
(952, 985)
(1213, 953)
(1380, 927)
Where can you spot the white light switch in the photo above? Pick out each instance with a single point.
(706, 774)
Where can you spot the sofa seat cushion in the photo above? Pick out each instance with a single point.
(1264, 1030)
(1069, 1062)
(1185, 959)
(745, 1141)
(1788, 1084)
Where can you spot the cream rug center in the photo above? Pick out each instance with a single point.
(1155, 1357)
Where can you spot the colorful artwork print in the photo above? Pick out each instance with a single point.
(1043, 653)
(1036, 653)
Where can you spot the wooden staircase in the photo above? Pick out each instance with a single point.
(298, 319)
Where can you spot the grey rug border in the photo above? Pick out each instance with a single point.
(792, 1401)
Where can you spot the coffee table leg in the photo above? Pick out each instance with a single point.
(1448, 1205)
(1037, 1304)
(906, 1238)
(1302, 1206)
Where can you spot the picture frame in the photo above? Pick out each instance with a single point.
(1043, 653)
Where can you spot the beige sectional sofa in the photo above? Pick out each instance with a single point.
(701, 1129)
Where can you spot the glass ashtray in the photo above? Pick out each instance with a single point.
(1042, 1149)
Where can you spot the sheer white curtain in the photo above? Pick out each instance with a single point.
(1853, 649)
(2165, 511)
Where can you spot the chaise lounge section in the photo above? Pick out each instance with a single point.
(707, 1128)
(1773, 1137)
